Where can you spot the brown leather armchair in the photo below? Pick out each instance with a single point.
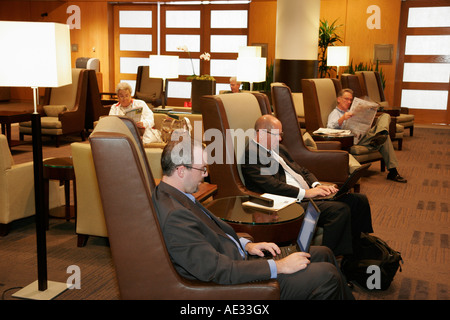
(319, 96)
(239, 112)
(372, 85)
(143, 266)
(358, 86)
(148, 89)
(317, 161)
(64, 109)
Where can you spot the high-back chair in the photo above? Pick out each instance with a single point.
(64, 109)
(231, 116)
(356, 83)
(317, 161)
(320, 98)
(143, 266)
(90, 215)
(371, 81)
(148, 89)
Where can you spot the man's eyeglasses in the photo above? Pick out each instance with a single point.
(275, 133)
(203, 169)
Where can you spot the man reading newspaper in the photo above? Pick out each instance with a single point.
(358, 119)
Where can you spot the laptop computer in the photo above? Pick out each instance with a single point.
(305, 234)
(348, 184)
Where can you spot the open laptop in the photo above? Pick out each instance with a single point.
(305, 234)
(348, 184)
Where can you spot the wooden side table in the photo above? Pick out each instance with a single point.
(60, 169)
(345, 140)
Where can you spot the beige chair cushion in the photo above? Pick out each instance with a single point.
(309, 141)
(371, 85)
(297, 98)
(66, 95)
(54, 110)
(327, 97)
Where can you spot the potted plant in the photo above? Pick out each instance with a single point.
(201, 84)
(327, 37)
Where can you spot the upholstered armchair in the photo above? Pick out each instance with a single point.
(148, 89)
(238, 112)
(90, 215)
(319, 96)
(64, 109)
(306, 152)
(371, 81)
(356, 83)
(17, 189)
(143, 266)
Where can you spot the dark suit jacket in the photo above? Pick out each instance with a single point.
(198, 245)
(257, 160)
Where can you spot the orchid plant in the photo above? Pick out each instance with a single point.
(204, 56)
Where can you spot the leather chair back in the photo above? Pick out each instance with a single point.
(319, 96)
(317, 161)
(143, 266)
(148, 89)
(237, 112)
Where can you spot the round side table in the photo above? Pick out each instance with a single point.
(60, 169)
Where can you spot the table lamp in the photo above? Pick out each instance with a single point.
(37, 54)
(337, 57)
(250, 66)
(165, 67)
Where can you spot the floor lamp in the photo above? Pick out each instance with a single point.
(338, 57)
(250, 66)
(165, 67)
(37, 55)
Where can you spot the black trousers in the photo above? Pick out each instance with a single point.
(343, 220)
(320, 280)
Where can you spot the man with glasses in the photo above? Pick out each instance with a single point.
(203, 247)
(377, 138)
(269, 168)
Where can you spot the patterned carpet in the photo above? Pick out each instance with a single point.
(413, 218)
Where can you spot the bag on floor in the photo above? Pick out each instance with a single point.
(374, 263)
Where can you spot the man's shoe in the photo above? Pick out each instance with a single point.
(397, 178)
(378, 139)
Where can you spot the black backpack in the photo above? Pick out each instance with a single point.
(373, 265)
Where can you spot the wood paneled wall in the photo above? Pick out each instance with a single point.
(95, 40)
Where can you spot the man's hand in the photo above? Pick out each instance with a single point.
(320, 191)
(292, 263)
(345, 117)
(257, 248)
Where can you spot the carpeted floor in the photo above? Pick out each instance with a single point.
(413, 218)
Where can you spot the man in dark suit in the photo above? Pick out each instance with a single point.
(203, 247)
(269, 168)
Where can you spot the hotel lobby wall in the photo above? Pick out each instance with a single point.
(262, 26)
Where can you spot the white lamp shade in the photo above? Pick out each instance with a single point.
(249, 52)
(251, 69)
(34, 54)
(165, 67)
(338, 56)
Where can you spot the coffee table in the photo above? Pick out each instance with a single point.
(279, 227)
(8, 117)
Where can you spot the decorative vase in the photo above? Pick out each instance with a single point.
(201, 88)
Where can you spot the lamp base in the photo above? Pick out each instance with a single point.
(32, 291)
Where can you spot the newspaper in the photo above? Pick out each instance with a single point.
(134, 113)
(363, 114)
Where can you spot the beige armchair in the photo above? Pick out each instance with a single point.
(64, 109)
(319, 97)
(356, 83)
(17, 189)
(373, 87)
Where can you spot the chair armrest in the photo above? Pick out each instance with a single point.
(329, 145)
